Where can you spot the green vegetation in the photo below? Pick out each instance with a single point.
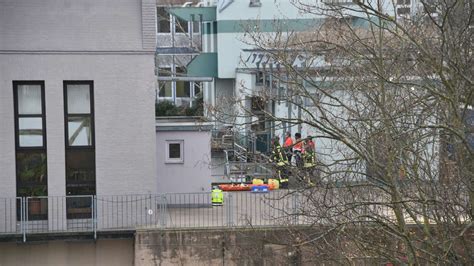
(167, 108)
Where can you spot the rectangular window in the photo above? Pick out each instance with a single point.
(403, 10)
(174, 151)
(30, 146)
(196, 26)
(181, 26)
(163, 20)
(197, 89)
(80, 147)
(403, 2)
(165, 87)
(183, 89)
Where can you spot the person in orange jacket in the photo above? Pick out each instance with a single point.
(288, 146)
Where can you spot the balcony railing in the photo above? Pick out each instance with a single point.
(22, 217)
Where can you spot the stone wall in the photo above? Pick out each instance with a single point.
(113, 252)
(212, 247)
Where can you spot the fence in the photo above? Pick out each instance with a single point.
(91, 214)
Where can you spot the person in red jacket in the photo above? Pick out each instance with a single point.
(288, 146)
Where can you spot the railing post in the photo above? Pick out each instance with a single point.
(228, 207)
(162, 210)
(26, 219)
(94, 216)
(22, 218)
(295, 208)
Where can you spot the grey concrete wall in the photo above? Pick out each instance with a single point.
(210, 247)
(105, 25)
(124, 118)
(194, 175)
(114, 252)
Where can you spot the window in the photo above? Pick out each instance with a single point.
(196, 26)
(174, 151)
(403, 10)
(80, 147)
(30, 146)
(181, 26)
(163, 20)
(257, 103)
(403, 2)
(197, 88)
(164, 23)
(255, 3)
(165, 87)
(183, 88)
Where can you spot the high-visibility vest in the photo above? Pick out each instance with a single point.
(278, 156)
(288, 142)
(299, 146)
(217, 197)
(309, 159)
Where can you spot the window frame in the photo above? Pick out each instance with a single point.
(158, 20)
(17, 116)
(179, 160)
(43, 215)
(91, 115)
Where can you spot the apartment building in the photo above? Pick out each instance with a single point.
(77, 90)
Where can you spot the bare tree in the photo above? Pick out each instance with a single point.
(390, 100)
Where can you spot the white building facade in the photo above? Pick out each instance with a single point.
(77, 89)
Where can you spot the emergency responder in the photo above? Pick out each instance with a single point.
(288, 146)
(309, 154)
(298, 150)
(217, 196)
(279, 157)
(309, 157)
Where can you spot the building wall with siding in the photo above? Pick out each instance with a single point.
(111, 42)
(194, 174)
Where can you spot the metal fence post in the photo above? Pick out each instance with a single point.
(26, 219)
(94, 216)
(228, 203)
(295, 208)
(22, 218)
(162, 210)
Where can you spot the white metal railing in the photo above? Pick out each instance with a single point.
(26, 216)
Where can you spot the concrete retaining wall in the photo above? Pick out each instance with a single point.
(211, 247)
(113, 252)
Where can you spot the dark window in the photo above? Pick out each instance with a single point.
(165, 88)
(163, 20)
(403, 2)
(197, 88)
(30, 143)
(183, 88)
(175, 151)
(80, 147)
(181, 26)
(258, 104)
(403, 10)
(196, 26)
